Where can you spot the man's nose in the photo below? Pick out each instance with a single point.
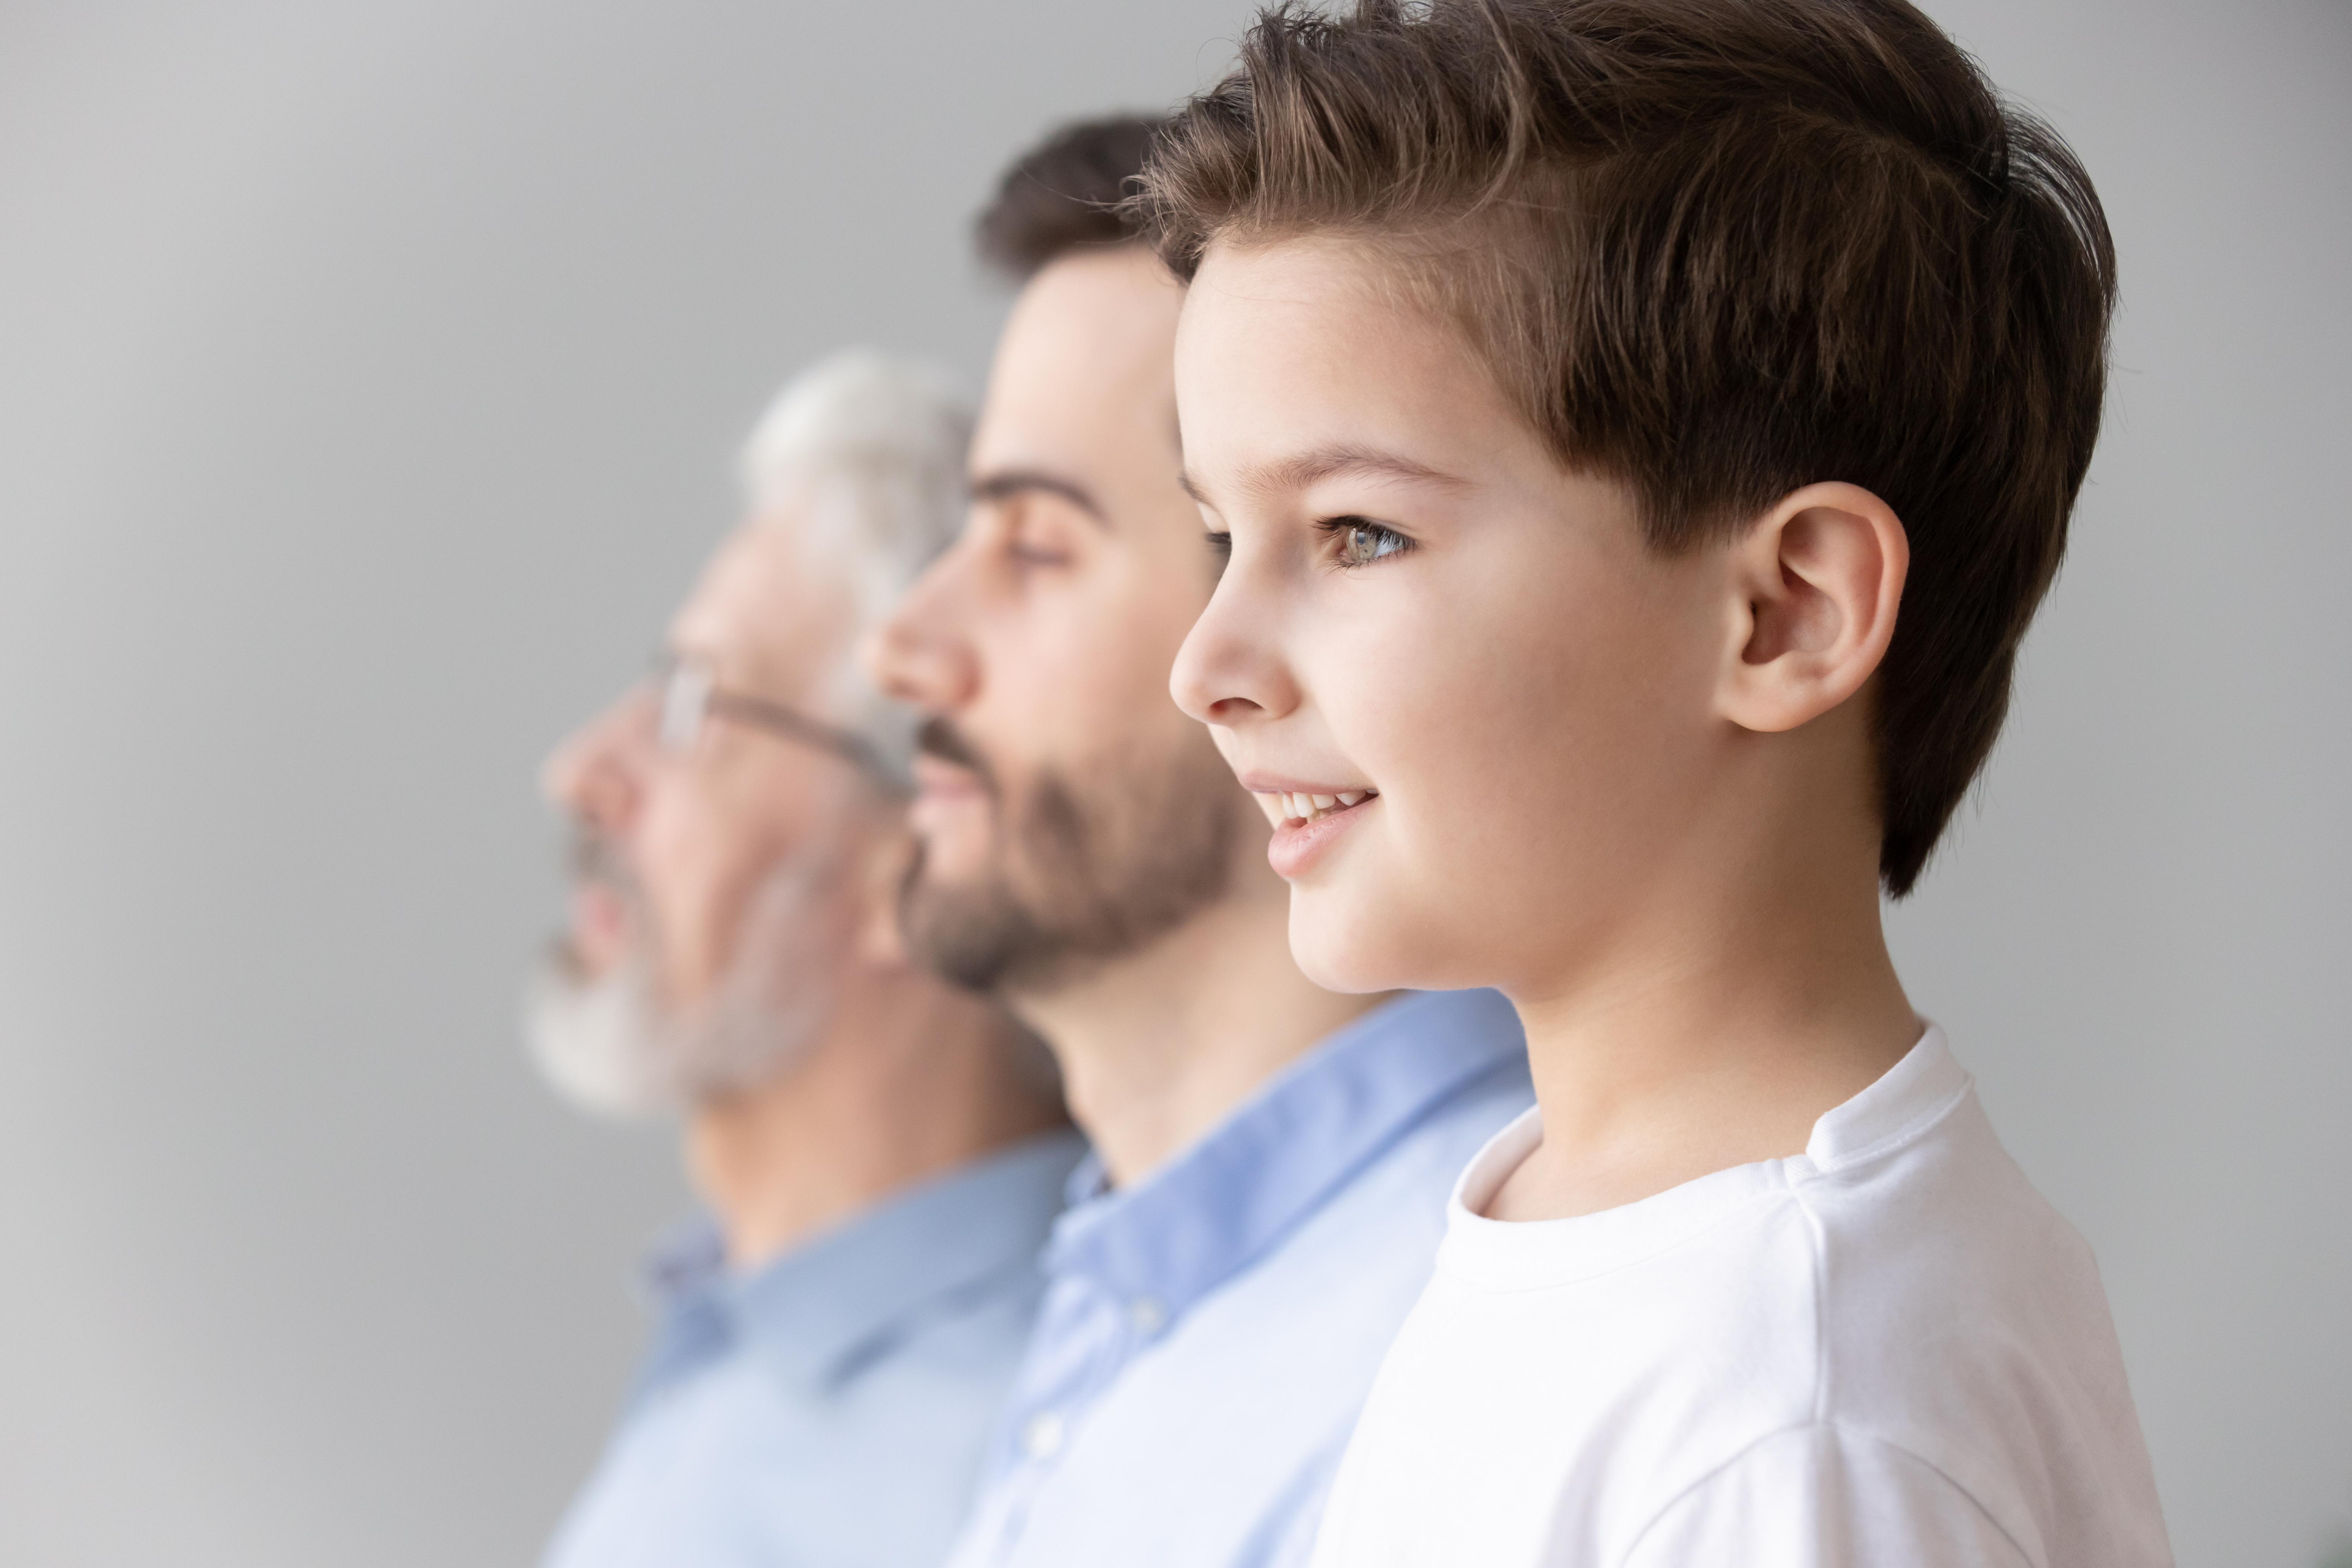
(922, 654)
(593, 772)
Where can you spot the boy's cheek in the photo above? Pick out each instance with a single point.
(1365, 924)
(1339, 939)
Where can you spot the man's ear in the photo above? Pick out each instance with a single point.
(1813, 589)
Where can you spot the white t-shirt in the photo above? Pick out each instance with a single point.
(1886, 1351)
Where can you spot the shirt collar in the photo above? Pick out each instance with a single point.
(816, 1312)
(1207, 1213)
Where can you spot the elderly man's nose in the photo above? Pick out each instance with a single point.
(590, 773)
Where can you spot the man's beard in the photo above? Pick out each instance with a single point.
(1090, 864)
(612, 1045)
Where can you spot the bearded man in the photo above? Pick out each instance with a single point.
(881, 1152)
(1272, 1160)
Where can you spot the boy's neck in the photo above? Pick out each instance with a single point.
(1714, 1022)
(1159, 1046)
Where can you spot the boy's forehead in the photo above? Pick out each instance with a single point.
(1300, 359)
(1331, 304)
(1296, 271)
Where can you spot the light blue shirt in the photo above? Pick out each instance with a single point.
(1209, 1334)
(828, 1410)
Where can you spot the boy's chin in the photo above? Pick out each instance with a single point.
(1339, 949)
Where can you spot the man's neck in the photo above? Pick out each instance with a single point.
(908, 1081)
(1713, 1023)
(1159, 1046)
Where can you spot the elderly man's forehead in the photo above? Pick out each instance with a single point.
(770, 602)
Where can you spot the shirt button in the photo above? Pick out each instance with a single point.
(1041, 1435)
(1148, 1315)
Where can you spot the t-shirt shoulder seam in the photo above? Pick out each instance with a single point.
(1902, 1137)
(1845, 1432)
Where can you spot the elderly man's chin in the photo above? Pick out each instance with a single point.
(607, 1043)
(593, 1036)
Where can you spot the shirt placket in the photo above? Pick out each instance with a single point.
(1097, 1331)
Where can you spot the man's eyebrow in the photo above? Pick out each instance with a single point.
(1305, 468)
(1006, 483)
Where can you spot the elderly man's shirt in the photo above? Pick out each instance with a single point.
(1208, 1335)
(830, 1407)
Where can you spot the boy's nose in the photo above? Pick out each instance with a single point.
(1231, 670)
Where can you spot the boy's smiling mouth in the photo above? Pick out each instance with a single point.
(1306, 818)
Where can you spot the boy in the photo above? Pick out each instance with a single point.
(1580, 388)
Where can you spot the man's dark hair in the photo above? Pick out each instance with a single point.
(1719, 250)
(1064, 194)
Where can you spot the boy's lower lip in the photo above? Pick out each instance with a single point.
(1296, 846)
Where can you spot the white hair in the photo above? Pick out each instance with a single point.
(866, 450)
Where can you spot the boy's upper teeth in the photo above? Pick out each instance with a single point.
(1305, 805)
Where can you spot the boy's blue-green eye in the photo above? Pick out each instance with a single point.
(1361, 542)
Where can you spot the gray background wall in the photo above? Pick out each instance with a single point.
(367, 377)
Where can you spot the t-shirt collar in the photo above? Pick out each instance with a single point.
(1910, 1096)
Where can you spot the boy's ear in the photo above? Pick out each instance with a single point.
(1814, 588)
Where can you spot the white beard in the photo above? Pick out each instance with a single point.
(612, 1046)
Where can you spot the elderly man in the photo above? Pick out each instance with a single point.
(1274, 1159)
(881, 1154)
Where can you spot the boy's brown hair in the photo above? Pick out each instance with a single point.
(1718, 249)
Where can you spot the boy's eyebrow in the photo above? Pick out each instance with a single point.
(1305, 468)
(1006, 483)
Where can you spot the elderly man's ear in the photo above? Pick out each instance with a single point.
(881, 872)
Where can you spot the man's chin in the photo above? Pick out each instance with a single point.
(972, 934)
(959, 853)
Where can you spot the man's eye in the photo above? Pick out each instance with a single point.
(1363, 542)
(1031, 553)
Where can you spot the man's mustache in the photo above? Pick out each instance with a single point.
(940, 739)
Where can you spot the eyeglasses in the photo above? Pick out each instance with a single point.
(687, 693)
